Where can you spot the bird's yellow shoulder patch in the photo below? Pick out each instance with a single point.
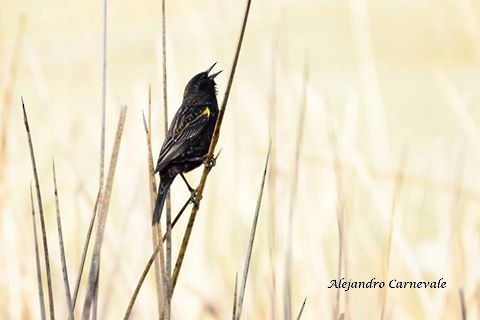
(206, 112)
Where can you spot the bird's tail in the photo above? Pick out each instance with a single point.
(162, 195)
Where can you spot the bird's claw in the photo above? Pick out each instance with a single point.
(212, 162)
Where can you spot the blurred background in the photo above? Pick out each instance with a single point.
(388, 152)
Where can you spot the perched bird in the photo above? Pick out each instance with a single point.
(188, 138)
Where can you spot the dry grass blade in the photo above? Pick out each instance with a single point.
(42, 218)
(149, 110)
(340, 212)
(168, 264)
(104, 94)
(235, 299)
(287, 300)
(272, 175)
(301, 309)
(477, 294)
(272, 123)
(102, 135)
(396, 193)
(252, 238)
(85, 250)
(153, 195)
(456, 242)
(293, 196)
(7, 95)
(160, 273)
(62, 248)
(158, 245)
(462, 304)
(37, 261)
(95, 297)
(213, 143)
(164, 68)
(273, 293)
(102, 218)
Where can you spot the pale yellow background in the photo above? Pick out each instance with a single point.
(392, 78)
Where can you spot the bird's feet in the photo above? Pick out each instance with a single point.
(210, 163)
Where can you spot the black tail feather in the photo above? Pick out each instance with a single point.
(162, 195)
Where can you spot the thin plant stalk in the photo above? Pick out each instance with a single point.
(117, 276)
(462, 304)
(272, 174)
(95, 297)
(85, 250)
(41, 298)
(7, 95)
(396, 193)
(301, 309)
(162, 289)
(213, 143)
(62, 248)
(273, 293)
(102, 218)
(42, 218)
(168, 264)
(152, 188)
(340, 214)
(345, 248)
(104, 94)
(235, 299)
(456, 221)
(102, 134)
(293, 196)
(251, 240)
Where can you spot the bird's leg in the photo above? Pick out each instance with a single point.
(186, 182)
(193, 192)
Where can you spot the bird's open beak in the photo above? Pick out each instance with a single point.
(211, 77)
(210, 69)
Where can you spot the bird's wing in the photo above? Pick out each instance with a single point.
(189, 121)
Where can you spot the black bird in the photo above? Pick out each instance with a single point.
(188, 138)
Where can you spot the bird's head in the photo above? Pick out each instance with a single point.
(202, 86)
